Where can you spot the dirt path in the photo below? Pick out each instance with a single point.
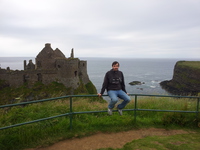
(103, 140)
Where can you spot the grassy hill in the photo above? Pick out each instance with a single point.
(47, 132)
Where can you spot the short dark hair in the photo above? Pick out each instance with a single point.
(115, 62)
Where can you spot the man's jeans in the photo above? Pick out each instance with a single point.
(114, 95)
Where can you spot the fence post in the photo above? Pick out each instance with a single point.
(135, 113)
(197, 113)
(71, 111)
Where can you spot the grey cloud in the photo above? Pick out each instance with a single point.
(118, 28)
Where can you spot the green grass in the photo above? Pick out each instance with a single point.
(45, 133)
(39, 91)
(192, 64)
(173, 142)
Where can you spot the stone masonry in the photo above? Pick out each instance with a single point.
(51, 65)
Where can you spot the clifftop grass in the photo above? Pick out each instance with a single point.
(191, 64)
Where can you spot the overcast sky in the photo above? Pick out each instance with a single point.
(101, 28)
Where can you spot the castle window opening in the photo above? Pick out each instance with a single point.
(75, 73)
(25, 78)
(39, 77)
(59, 66)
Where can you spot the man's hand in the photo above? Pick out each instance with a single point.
(99, 94)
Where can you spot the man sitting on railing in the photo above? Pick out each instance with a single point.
(115, 86)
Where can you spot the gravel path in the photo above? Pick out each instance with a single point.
(105, 140)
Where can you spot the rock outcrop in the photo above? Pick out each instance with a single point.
(186, 79)
(136, 83)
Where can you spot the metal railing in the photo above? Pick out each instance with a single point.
(71, 113)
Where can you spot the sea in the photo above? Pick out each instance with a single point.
(149, 71)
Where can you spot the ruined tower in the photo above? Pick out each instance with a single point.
(51, 65)
(72, 53)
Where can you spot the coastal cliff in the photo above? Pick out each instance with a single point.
(186, 79)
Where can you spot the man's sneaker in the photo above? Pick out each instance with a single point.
(109, 111)
(120, 111)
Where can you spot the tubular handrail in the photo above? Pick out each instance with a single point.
(71, 113)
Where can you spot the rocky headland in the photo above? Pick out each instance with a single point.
(186, 79)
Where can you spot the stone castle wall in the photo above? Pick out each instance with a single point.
(51, 65)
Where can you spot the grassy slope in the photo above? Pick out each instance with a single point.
(48, 132)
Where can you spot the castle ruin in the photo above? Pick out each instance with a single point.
(50, 65)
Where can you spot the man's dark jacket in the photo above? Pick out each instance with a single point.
(113, 80)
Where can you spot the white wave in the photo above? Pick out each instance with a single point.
(153, 86)
(155, 81)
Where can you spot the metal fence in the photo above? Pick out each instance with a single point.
(71, 113)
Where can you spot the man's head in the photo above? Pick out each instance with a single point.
(115, 65)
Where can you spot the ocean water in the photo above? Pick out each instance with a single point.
(149, 71)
